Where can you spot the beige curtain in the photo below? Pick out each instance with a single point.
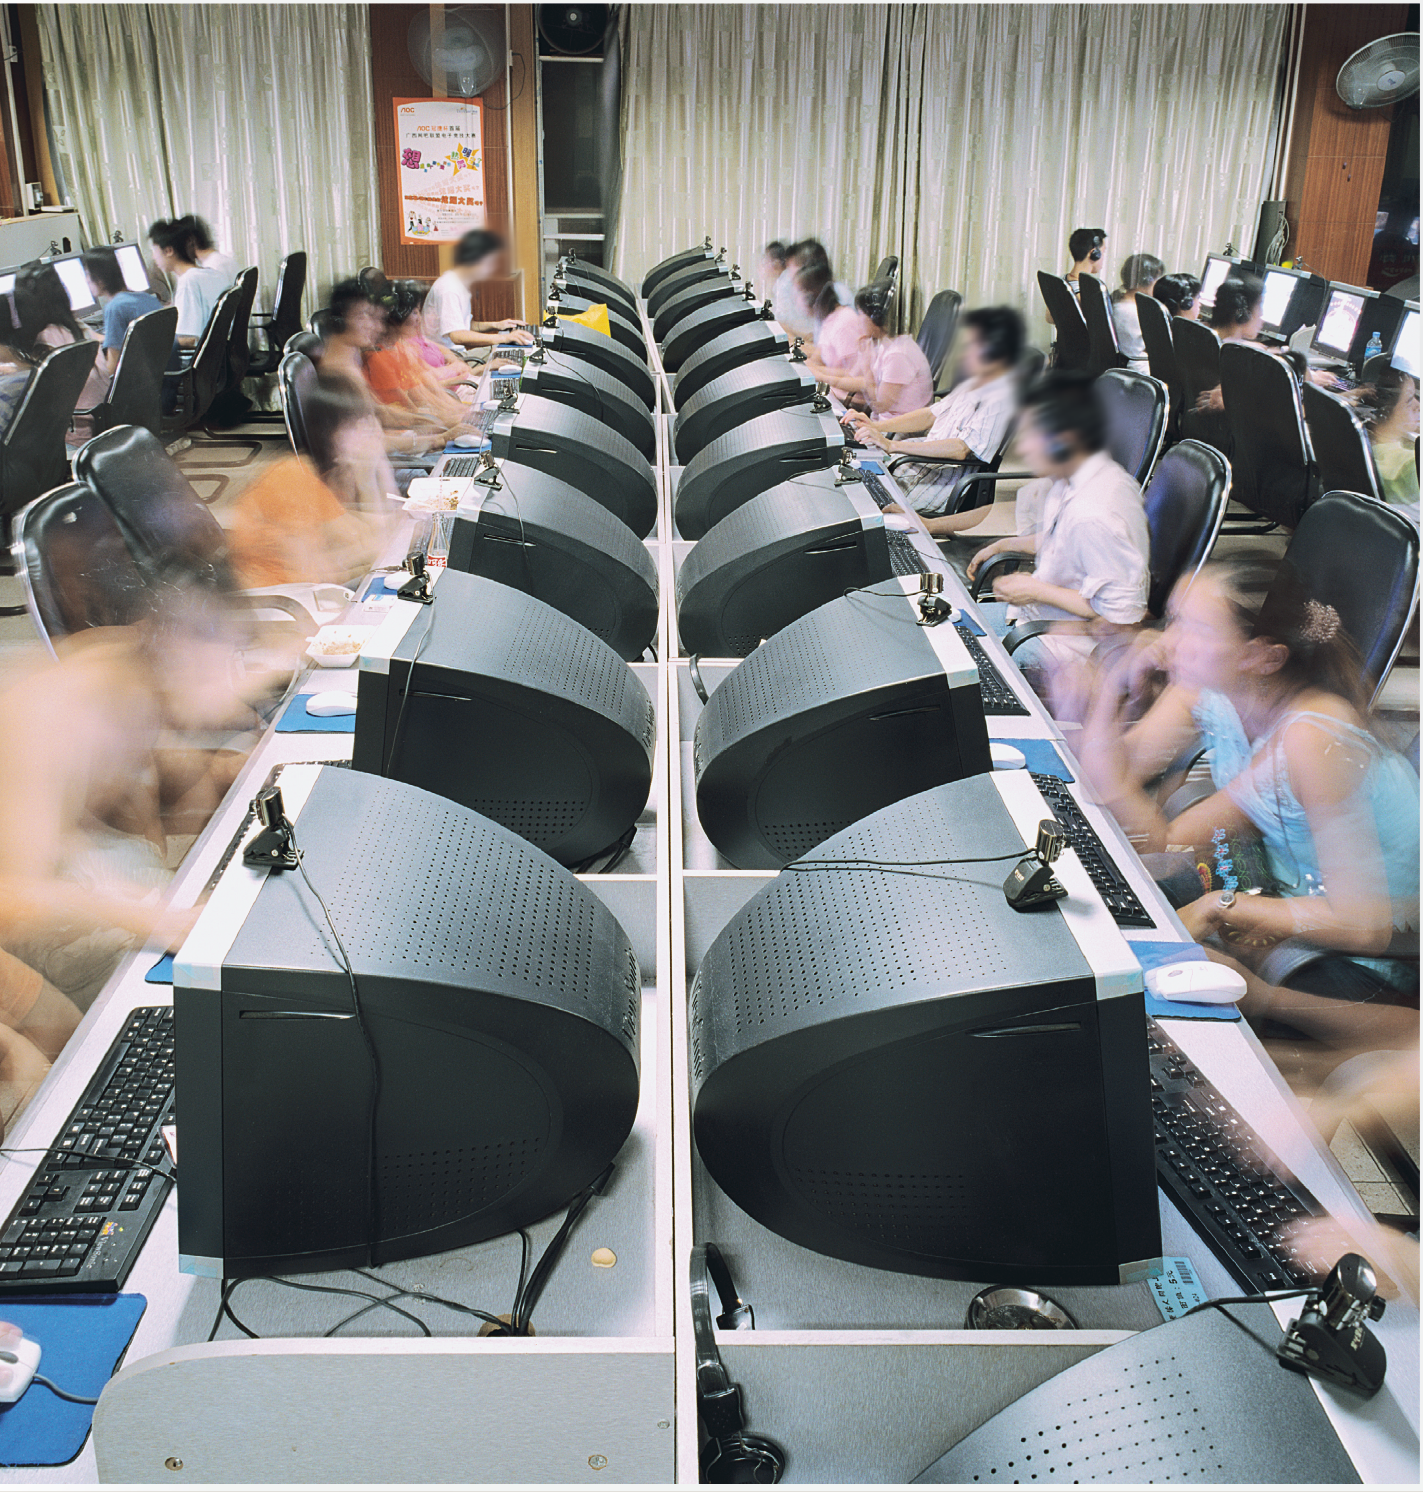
(257, 117)
(969, 140)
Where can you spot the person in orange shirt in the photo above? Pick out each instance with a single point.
(397, 370)
(319, 520)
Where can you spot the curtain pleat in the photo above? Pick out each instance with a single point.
(256, 117)
(968, 140)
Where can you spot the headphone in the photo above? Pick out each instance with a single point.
(1096, 255)
(730, 1455)
(1058, 450)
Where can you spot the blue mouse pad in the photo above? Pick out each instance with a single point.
(82, 1340)
(1041, 757)
(1153, 956)
(460, 448)
(965, 621)
(873, 466)
(161, 972)
(295, 718)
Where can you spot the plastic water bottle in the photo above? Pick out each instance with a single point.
(1374, 348)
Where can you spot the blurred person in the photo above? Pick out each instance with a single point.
(838, 343)
(1274, 687)
(1389, 408)
(321, 518)
(1180, 293)
(1083, 522)
(196, 288)
(1085, 247)
(208, 254)
(449, 314)
(396, 369)
(892, 374)
(44, 322)
(969, 423)
(771, 268)
(1139, 276)
(789, 307)
(121, 306)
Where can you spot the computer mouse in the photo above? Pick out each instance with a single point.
(23, 1360)
(1006, 758)
(331, 702)
(1196, 981)
(396, 579)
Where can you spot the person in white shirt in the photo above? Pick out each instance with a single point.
(1139, 276)
(1083, 522)
(448, 316)
(1085, 245)
(970, 423)
(208, 255)
(196, 288)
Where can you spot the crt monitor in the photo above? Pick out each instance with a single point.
(1217, 267)
(135, 272)
(896, 1068)
(473, 1069)
(728, 349)
(76, 284)
(1342, 310)
(502, 704)
(853, 706)
(1275, 297)
(1405, 349)
(753, 389)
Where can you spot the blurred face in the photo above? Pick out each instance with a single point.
(869, 328)
(1037, 446)
(975, 360)
(489, 265)
(364, 325)
(1406, 414)
(165, 259)
(1205, 645)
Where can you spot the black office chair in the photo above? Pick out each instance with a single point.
(936, 332)
(320, 322)
(304, 342)
(285, 320)
(77, 569)
(1073, 348)
(1185, 503)
(239, 352)
(1161, 357)
(1275, 475)
(33, 456)
(296, 377)
(199, 381)
(1198, 357)
(1343, 452)
(1103, 352)
(135, 395)
(1135, 408)
(888, 269)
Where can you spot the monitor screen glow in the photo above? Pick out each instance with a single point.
(130, 258)
(1215, 271)
(76, 286)
(7, 283)
(1336, 327)
(1275, 298)
(1405, 349)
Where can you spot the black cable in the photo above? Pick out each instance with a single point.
(60, 1393)
(694, 668)
(373, 1302)
(548, 1261)
(572, 364)
(405, 692)
(1264, 1297)
(105, 1162)
(524, 546)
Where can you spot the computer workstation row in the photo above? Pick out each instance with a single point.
(70, 269)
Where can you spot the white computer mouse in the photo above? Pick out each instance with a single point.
(1006, 758)
(23, 1360)
(331, 702)
(1196, 981)
(396, 579)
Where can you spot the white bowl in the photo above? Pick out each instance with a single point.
(337, 646)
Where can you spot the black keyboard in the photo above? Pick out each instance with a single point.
(904, 558)
(1122, 902)
(460, 466)
(998, 698)
(85, 1215)
(1222, 1176)
(516, 354)
(877, 490)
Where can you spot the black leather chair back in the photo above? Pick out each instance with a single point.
(1030, 369)
(936, 332)
(1360, 557)
(172, 535)
(1161, 357)
(135, 394)
(306, 343)
(1185, 502)
(239, 352)
(33, 457)
(1197, 356)
(1103, 352)
(286, 309)
(1342, 451)
(206, 376)
(77, 569)
(1274, 466)
(320, 322)
(1134, 407)
(295, 379)
(1074, 350)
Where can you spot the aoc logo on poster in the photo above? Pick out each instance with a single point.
(439, 143)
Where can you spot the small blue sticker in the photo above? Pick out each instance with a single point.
(1176, 1289)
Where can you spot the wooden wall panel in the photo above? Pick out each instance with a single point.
(1337, 154)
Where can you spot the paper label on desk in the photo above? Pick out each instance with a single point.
(1176, 1289)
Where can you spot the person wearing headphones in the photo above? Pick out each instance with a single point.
(892, 376)
(1180, 294)
(1086, 246)
(1139, 276)
(1083, 523)
(1237, 316)
(969, 423)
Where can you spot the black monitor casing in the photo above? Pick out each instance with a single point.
(582, 342)
(558, 545)
(513, 710)
(1305, 303)
(743, 393)
(696, 329)
(849, 708)
(1382, 314)
(698, 272)
(582, 451)
(746, 461)
(586, 280)
(623, 325)
(693, 298)
(902, 1071)
(776, 558)
(734, 347)
(501, 998)
(684, 259)
(585, 386)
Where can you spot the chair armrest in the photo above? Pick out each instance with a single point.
(1021, 632)
(903, 456)
(1005, 562)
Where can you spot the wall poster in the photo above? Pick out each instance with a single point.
(441, 148)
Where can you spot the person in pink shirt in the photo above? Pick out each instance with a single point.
(891, 376)
(839, 337)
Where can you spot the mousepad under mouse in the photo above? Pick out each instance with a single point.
(1152, 956)
(82, 1340)
(296, 718)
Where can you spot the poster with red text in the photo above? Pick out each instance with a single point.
(440, 143)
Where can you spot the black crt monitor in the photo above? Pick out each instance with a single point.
(703, 293)
(733, 348)
(1217, 267)
(1339, 320)
(742, 394)
(500, 703)
(683, 259)
(582, 385)
(545, 538)
(133, 267)
(1405, 347)
(776, 558)
(70, 269)
(577, 281)
(567, 340)
(1382, 315)
(583, 451)
(623, 326)
(695, 330)
(701, 271)
(849, 708)
(500, 999)
(903, 1071)
(1290, 299)
(749, 460)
